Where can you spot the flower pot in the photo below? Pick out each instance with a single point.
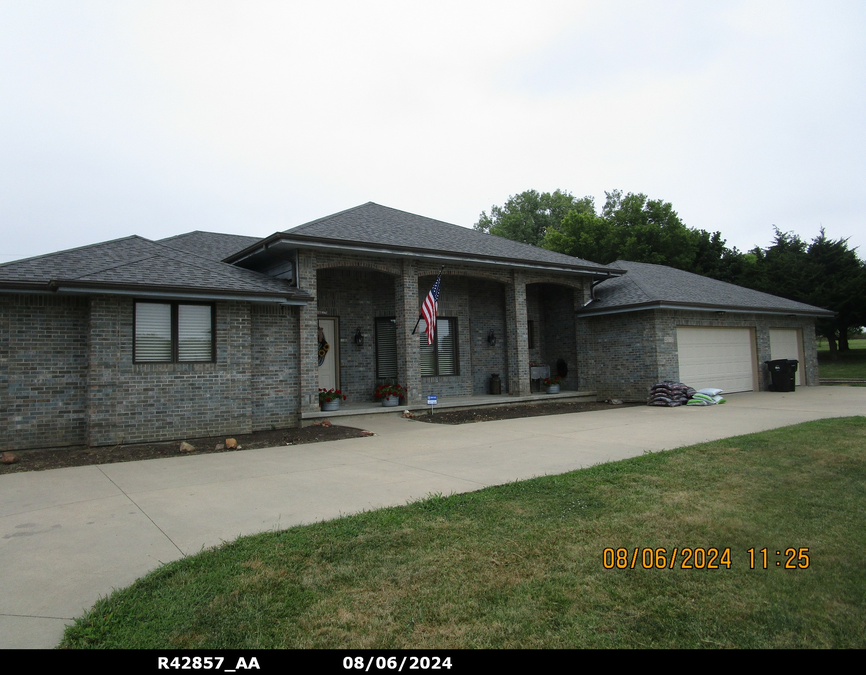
(330, 406)
(390, 401)
(552, 389)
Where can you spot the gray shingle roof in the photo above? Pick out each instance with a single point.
(135, 263)
(383, 227)
(213, 245)
(646, 285)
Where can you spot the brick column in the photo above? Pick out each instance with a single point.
(408, 308)
(518, 335)
(109, 368)
(308, 339)
(579, 294)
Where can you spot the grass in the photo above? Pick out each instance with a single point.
(850, 364)
(521, 565)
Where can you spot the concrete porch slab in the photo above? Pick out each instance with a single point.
(351, 408)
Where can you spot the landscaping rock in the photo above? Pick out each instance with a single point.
(187, 447)
(8, 458)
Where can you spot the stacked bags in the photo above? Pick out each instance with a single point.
(670, 394)
(706, 397)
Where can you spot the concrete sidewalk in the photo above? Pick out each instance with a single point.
(69, 536)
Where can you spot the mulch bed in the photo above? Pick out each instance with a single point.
(515, 411)
(57, 458)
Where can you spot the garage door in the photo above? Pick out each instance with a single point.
(785, 343)
(717, 357)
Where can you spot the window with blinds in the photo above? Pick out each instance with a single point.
(168, 332)
(194, 336)
(440, 358)
(152, 332)
(386, 348)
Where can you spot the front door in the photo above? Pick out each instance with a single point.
(329, 353)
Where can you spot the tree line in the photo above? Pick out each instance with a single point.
(824, 272)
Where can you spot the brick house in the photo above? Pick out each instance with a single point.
(204, 334)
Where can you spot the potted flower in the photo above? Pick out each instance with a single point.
(329, 399)
(551, 384)
(390, 394)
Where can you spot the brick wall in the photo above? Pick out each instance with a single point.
(486, 313)
(133, 402)
(43, 371)
(274, 366)
(622, 355)
(617, 354)
(67, 376)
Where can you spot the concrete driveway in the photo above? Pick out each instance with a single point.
(69, 536)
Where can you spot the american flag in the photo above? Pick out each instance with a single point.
(430, 308)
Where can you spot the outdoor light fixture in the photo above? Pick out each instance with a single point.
(491, 338)
(359, 338)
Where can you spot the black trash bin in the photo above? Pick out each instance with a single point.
(782, 374)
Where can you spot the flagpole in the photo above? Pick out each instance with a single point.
(421, 315)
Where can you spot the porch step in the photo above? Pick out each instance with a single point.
(449, 403)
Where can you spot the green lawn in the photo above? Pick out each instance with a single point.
(851, 364)
(523, 565)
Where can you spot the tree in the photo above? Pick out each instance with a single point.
(838, 281)
(714, 259)
(528, 216)
(634, 227)
(825, 273)
(583, 234)
(782, 268)
(649, 230)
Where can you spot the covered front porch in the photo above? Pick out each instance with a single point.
(353, 408)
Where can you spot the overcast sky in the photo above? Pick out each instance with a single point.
(157, 118)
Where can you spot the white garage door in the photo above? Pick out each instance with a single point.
(717, 357)
(785, 344)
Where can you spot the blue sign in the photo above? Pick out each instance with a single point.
(432, 399)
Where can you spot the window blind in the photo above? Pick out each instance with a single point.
(386, 348)
(152, 332)
(194, 339)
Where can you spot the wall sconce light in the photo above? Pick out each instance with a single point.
(359, 338)
(491, 338)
